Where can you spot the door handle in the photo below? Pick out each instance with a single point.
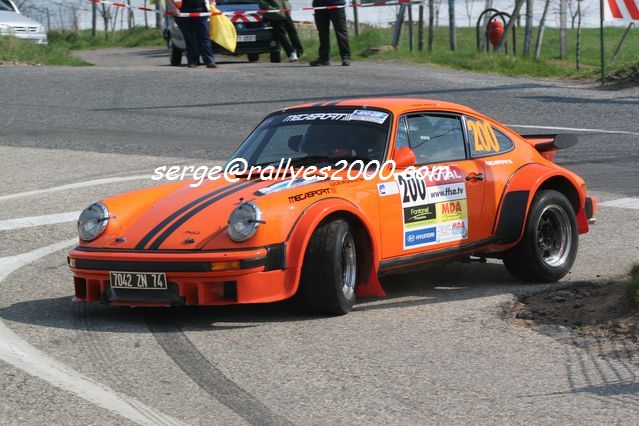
(475, 176)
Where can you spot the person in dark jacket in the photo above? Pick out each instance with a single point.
(283, 27)
(323, 19)
(196, 32)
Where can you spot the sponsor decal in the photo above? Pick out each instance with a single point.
(439, 175)
(451, 210)
(433, 202)
(310, 194)
(420, 237)
(318, 116)
(454, 191)
(420, 215)
(498, 162)
(388, 188)
(370, 116)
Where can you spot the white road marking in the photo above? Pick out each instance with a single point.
(28, 222)
(624, 203)
(576, 129)
(16, 351)
(94, 182)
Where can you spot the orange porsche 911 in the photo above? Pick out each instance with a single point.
(389, 185)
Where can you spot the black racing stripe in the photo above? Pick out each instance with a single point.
(147, 238)
(159, 240)
(317, 104)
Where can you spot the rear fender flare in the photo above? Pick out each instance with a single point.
(517, 199)
(310, 219)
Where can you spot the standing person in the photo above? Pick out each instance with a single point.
(196, 32)
(281, 31)
(289, 25)
(323, 19)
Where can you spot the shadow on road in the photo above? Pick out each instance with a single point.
(448, 283)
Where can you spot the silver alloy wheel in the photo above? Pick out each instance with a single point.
(554, 235)
(349, 266)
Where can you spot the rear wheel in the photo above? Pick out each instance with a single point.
(176, 56)
(329, 273)
(253, 57)
(276, 57)
(548, 248)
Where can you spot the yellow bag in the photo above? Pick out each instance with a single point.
(223, 31)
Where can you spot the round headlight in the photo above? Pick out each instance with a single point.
(93, 220)
(244, 221)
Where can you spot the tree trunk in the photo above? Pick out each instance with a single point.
(420, 29)
(146, 15)
(563, 39)
(452, 29)
(529, 27)
(509, 26)
(158, 16)
(578, 49)
(431, 24)
(94, 19)
(540, 32)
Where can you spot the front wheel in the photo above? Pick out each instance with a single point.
(253, 57)
(548, 248)
(329, 273)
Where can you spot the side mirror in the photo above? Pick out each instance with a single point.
(404, 157)
(294, 143)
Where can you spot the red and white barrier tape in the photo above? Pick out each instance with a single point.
(257, 11)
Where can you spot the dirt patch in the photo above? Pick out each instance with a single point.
(600, 318)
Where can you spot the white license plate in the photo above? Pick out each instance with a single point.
(246, 38)
(138, 280)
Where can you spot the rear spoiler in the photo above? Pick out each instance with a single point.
(547, 144)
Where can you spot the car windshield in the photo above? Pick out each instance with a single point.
(5, 5)
(322, 135)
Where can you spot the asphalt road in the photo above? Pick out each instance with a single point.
(435, 351)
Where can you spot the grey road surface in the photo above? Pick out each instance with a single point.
(436, 350)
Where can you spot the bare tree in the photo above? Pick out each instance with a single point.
(540, 32)
(529, 27)
(469, 11)
(106, 14)
(452, 28)
(578, 49)
(431, 24)
(563, 36)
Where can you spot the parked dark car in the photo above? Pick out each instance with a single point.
(254, 35)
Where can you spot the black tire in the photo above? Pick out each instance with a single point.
(276, 57)
(176, 56)
(329, 273)
(549, 246)
(253, 57)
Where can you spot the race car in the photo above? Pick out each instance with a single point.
(390, 185)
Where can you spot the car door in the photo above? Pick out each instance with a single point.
(437, 206)
(493, 148)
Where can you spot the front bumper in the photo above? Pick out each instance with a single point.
(260, 275)
(36, 38)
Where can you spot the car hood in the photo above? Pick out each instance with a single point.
(180, 217)
(16, 20)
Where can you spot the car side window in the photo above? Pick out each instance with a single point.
(436, 138)
(485, 139)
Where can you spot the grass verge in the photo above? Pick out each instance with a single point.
(23, 52)
(82, 40)
(467, 58)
